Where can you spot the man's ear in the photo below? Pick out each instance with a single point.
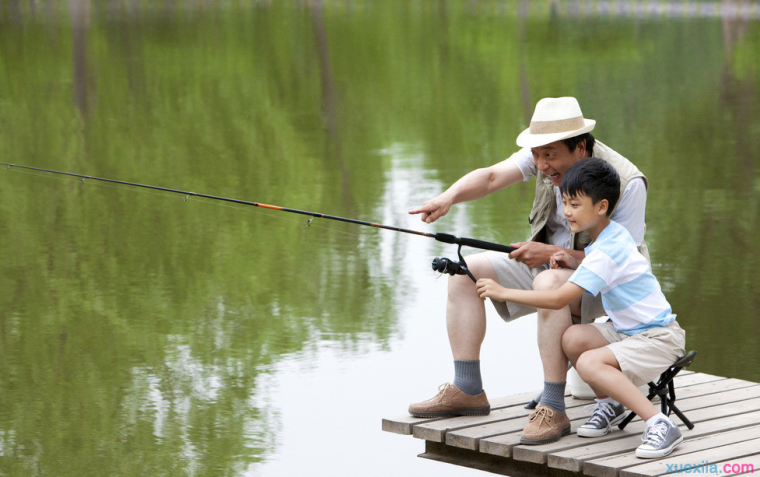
(580, 149)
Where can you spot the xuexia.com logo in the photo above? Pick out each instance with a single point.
(707, 468)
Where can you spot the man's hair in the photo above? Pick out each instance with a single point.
(572, 142)
(594, 178)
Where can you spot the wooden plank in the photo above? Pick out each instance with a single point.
(491, 463)
(436, 431)
(726, 411)
(500, 445)
(404, 424)
(693, 452)
(469, 438)
(570, 452)
(745, 465)
(506, 446)
(609, 466)
(710, 387)
(574, 459)
(685, 378)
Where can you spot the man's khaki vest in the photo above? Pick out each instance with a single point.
(544, 204)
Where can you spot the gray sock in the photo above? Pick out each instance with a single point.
(554, 396)
(467, 377)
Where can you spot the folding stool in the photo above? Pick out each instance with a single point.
(666, 390)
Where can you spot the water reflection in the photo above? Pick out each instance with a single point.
(141, 334)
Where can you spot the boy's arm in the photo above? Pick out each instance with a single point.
(546, 299)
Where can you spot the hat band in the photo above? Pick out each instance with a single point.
(558, 126)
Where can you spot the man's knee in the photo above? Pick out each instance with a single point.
(460, 285)
(480, 267)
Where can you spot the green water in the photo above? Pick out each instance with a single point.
(139, 331)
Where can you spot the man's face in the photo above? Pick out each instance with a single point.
(555, 159)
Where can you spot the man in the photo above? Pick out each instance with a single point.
(558, 137)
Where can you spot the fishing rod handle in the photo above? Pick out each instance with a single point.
(469, 242)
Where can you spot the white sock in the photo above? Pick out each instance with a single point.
(655, 418)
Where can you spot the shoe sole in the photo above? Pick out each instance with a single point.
(644, 454)
(548, 440)
(591, 432)
(470, 411)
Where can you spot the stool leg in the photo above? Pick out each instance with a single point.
(627, 419)
(685, 419)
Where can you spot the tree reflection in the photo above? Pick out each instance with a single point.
(137, 331)
(330, 101)
(80, 19)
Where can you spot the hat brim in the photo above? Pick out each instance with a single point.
(526, 139)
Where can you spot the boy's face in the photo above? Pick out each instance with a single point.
(555, 159)
(582, 214)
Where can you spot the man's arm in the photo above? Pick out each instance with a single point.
(478, 183)
(545, 299)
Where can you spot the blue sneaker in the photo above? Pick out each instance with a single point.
(605, 416)
(659, 439)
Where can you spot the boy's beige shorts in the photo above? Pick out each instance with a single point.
(645, 355)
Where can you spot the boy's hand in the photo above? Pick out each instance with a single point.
(488, 288)
(562, 259)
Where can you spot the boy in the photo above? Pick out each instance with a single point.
(641, 339)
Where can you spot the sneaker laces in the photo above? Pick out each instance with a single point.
(655, 434)
(603, 413)
(545, 413)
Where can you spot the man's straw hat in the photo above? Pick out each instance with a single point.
(553, 120)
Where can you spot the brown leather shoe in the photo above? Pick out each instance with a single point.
(545, 425)
(451, 401)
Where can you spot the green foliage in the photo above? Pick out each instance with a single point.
(136, 327)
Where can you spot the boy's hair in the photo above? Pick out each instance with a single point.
(594, 178)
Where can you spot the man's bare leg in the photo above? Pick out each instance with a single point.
(466, 311)
(552, 324)
(549, 422)
(466, 325)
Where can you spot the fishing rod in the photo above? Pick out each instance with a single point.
(443, 265)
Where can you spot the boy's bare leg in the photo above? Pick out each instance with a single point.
(599, 368)
(581, 338)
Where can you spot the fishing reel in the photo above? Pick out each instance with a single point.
(452, 267)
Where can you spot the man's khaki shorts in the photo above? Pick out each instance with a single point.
(517, 275)
(645, 355)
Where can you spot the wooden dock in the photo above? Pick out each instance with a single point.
(725, 439)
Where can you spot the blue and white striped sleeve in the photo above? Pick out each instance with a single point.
(593, 274)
